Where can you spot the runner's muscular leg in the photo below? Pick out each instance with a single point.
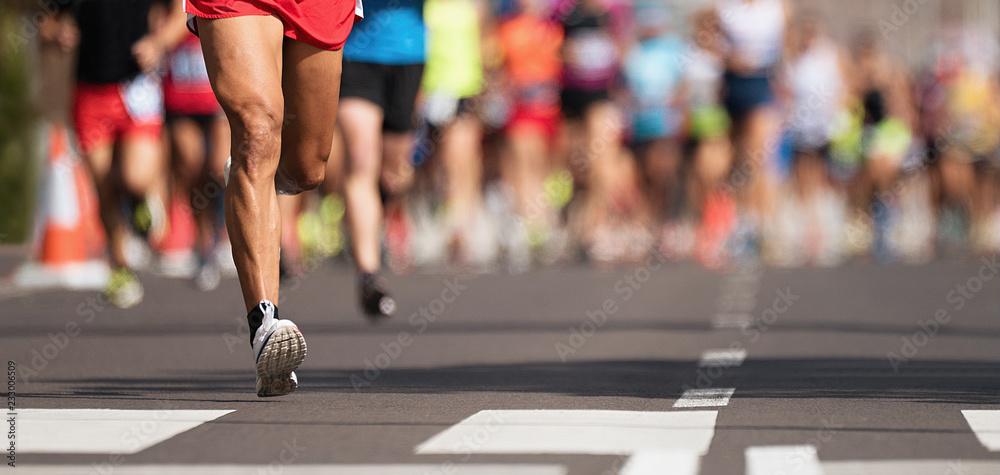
(243, 57)
(311, 85)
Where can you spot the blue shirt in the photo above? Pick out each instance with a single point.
(391, 33)
(653, 71)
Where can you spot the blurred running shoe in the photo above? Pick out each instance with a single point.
(320, 231)
(138, 255)
(124, 289)
(278, 348)
(375, 299)
(718, 222)
(208, 275)
(677, 239)
(399, 239)
(150, 218)
(224, 257)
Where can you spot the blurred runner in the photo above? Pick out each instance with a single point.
(529, 74)
(807, 225)
(531, 68)
(755, 32)
(384, 61)
(454, 77)
(889, 113)
(654, 72)
(709, 201)
(610, 214)
(118, 116)
(274, 67)
(965, 141)
(199, 142)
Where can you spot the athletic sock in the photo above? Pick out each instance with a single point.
(365, 279)
(256, 317)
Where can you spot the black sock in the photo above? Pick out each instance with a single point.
(256, 318)
(366, 279)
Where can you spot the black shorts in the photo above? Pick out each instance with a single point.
(745, 94)
(575, 102)
(205, 121)
(393, 87)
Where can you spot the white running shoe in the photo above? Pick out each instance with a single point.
(278, 348)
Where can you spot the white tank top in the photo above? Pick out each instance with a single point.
(756, 30)
(817, 85)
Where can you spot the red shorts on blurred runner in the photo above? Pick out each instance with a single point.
(324, 24)
(106, 113)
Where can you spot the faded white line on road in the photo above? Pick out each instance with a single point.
(912, 467)
(783, 459)
(723, 358)
(986, 425)
(732, 320)
(710, 397)
(103, 431)
(659, 462)
(738, 297)
(574, 432)
(296, 469)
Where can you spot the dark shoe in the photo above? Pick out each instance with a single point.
(375, 299)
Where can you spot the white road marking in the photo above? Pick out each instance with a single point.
(574, 432)
(738, 297)
(782, 459)
(723, 358)
(103, 431)
(296, 469)
(986, 425)
(912, 467)
(658, 462)
(710, 397)
(732, 320)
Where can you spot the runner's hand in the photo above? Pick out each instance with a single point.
(148, 53)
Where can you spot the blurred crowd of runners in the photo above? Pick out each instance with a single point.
(549, 131)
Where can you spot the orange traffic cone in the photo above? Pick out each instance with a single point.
(68, 236)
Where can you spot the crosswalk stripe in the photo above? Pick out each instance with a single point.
(656, 462)
(574, 432)
(103, 431)
(783, 459)
(709, 397)
(723, 358)
(296, 469)
(986, 425)
(912, 467)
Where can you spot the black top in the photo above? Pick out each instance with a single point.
(108, 29)
(583, 19)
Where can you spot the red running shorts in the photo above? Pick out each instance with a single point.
(106, 113)
(324, 24)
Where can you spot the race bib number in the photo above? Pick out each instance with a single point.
(187, 66)
(143, 98)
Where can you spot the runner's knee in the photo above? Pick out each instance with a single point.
(305, 178)
(258, 135)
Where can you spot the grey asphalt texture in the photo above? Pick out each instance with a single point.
(819, 369)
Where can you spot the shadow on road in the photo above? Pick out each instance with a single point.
(964, 382)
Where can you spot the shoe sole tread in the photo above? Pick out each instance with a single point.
(282, 354)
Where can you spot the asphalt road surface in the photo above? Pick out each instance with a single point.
(652, 369)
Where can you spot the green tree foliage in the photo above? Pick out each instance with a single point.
(18, 121)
